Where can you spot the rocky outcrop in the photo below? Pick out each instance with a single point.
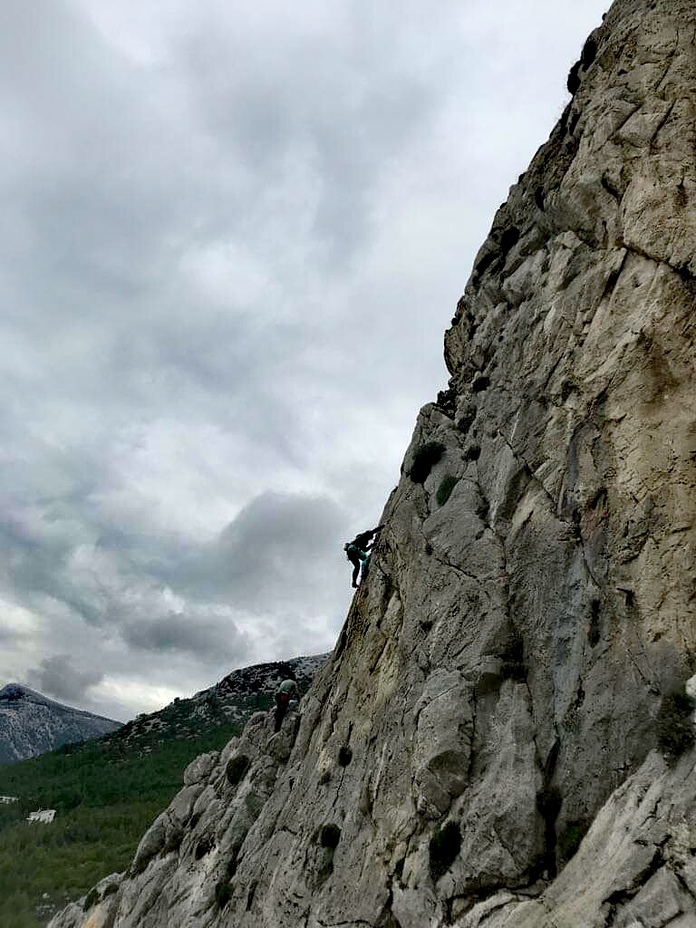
(233, 700)
(496, 687)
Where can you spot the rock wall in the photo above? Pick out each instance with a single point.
(495, 688)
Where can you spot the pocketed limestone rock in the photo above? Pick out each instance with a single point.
(200, 769)
(502, 829)
(443, 741)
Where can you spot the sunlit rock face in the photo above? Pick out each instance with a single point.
(495, 688)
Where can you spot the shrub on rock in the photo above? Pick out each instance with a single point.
(329, 836)
(445, 844)
(444, 491)
(223, 894)
(236, 768)
(425, 458)
(674, 725)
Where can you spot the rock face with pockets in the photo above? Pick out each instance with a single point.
(496, 688)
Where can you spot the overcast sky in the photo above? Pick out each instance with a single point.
(233, 236)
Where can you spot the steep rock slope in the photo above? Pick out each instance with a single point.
(31, 724)
(495, 688)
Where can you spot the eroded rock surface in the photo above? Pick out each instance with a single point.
(531, 599)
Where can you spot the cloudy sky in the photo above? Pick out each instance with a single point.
(233, 236)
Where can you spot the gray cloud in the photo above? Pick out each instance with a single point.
(232, 241)
(327, 105)
(278, 555)
(57, 676)
(189, 633)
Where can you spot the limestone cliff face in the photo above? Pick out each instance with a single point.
(494, 689)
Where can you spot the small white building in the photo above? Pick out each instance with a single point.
(8, 799)
(45, 816)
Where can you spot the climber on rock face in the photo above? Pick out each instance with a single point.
(357, 552)
(356, 556)
(285, 692)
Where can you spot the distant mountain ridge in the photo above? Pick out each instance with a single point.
(31, 724)
(233, 700)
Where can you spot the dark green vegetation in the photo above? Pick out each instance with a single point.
(674, 725)
(425, 458)
(513, 666)
(548, 802)
(329, 836)
(444, 846)
(106, 793)
(223, 894)
(444, 491)
(236, 768)
(569, 841)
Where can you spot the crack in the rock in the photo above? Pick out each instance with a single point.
(637, 106)
(517, 895)
(649, 683)
(680, 271)
(610, 189)
(621, 897)
(683, 884)
(472, 752)
(665, 117)
(549, 815)
(510, 850)
(500, 539)
(672, 55)
(451, 689)
(379, 656)
(529, 470)
(580, 542)
(348, 924)
(614, 276)
(284, 829)
(652, 814)
(545, 385)
(446, 563)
